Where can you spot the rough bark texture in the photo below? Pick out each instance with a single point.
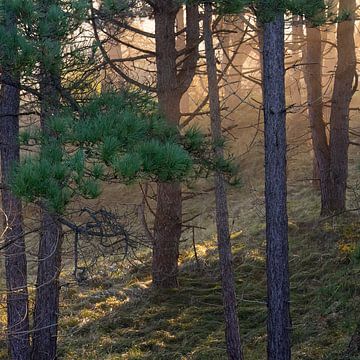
(313, 78)
(340, 103)
(275, 191)
(47, 289)
(167, 235)
(171, 85)
(167, 228)
(15, 257)
(232, 333)
(49, 256)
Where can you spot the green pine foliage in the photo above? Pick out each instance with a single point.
(266, 9)
(48, 33)
(117, 136)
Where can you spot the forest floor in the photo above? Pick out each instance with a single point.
(117, 315)
(123, 318)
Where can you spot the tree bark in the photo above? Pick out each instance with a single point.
(232, 332)
(47, 289)
(171, 85)
(15, 256)
(278, 322)
(340, 104)
(167, 227)
(46, 310)
(313, 78)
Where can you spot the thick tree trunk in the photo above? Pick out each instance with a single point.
(342, 95)
(171, 85)
(167, 227)
(167, 235)
(313, 78)
(15, 257)
(232, 333)
(275, 191)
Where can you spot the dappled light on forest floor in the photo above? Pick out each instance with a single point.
(133, 321)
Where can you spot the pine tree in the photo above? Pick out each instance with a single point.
(15, 257)
(232, 332)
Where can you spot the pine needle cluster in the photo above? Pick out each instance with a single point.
(118, 136)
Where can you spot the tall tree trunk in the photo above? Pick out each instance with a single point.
(342, 95)
(15, 257)
(275, 191)
(167, 227)
(313, 78)
(232, 333)
(171, 85)
(49, 255)
(46, 310)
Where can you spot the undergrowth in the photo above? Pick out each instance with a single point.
(112, 319)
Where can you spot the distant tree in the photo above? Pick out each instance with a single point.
(313, 79)
(340, 105)
(331, 152)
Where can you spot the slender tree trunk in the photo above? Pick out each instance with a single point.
(47, 289)
(15, 257)
(46, 310)
(321, 148)
(232, 333)
(275, 191)
(342, 95)
(49, 256)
